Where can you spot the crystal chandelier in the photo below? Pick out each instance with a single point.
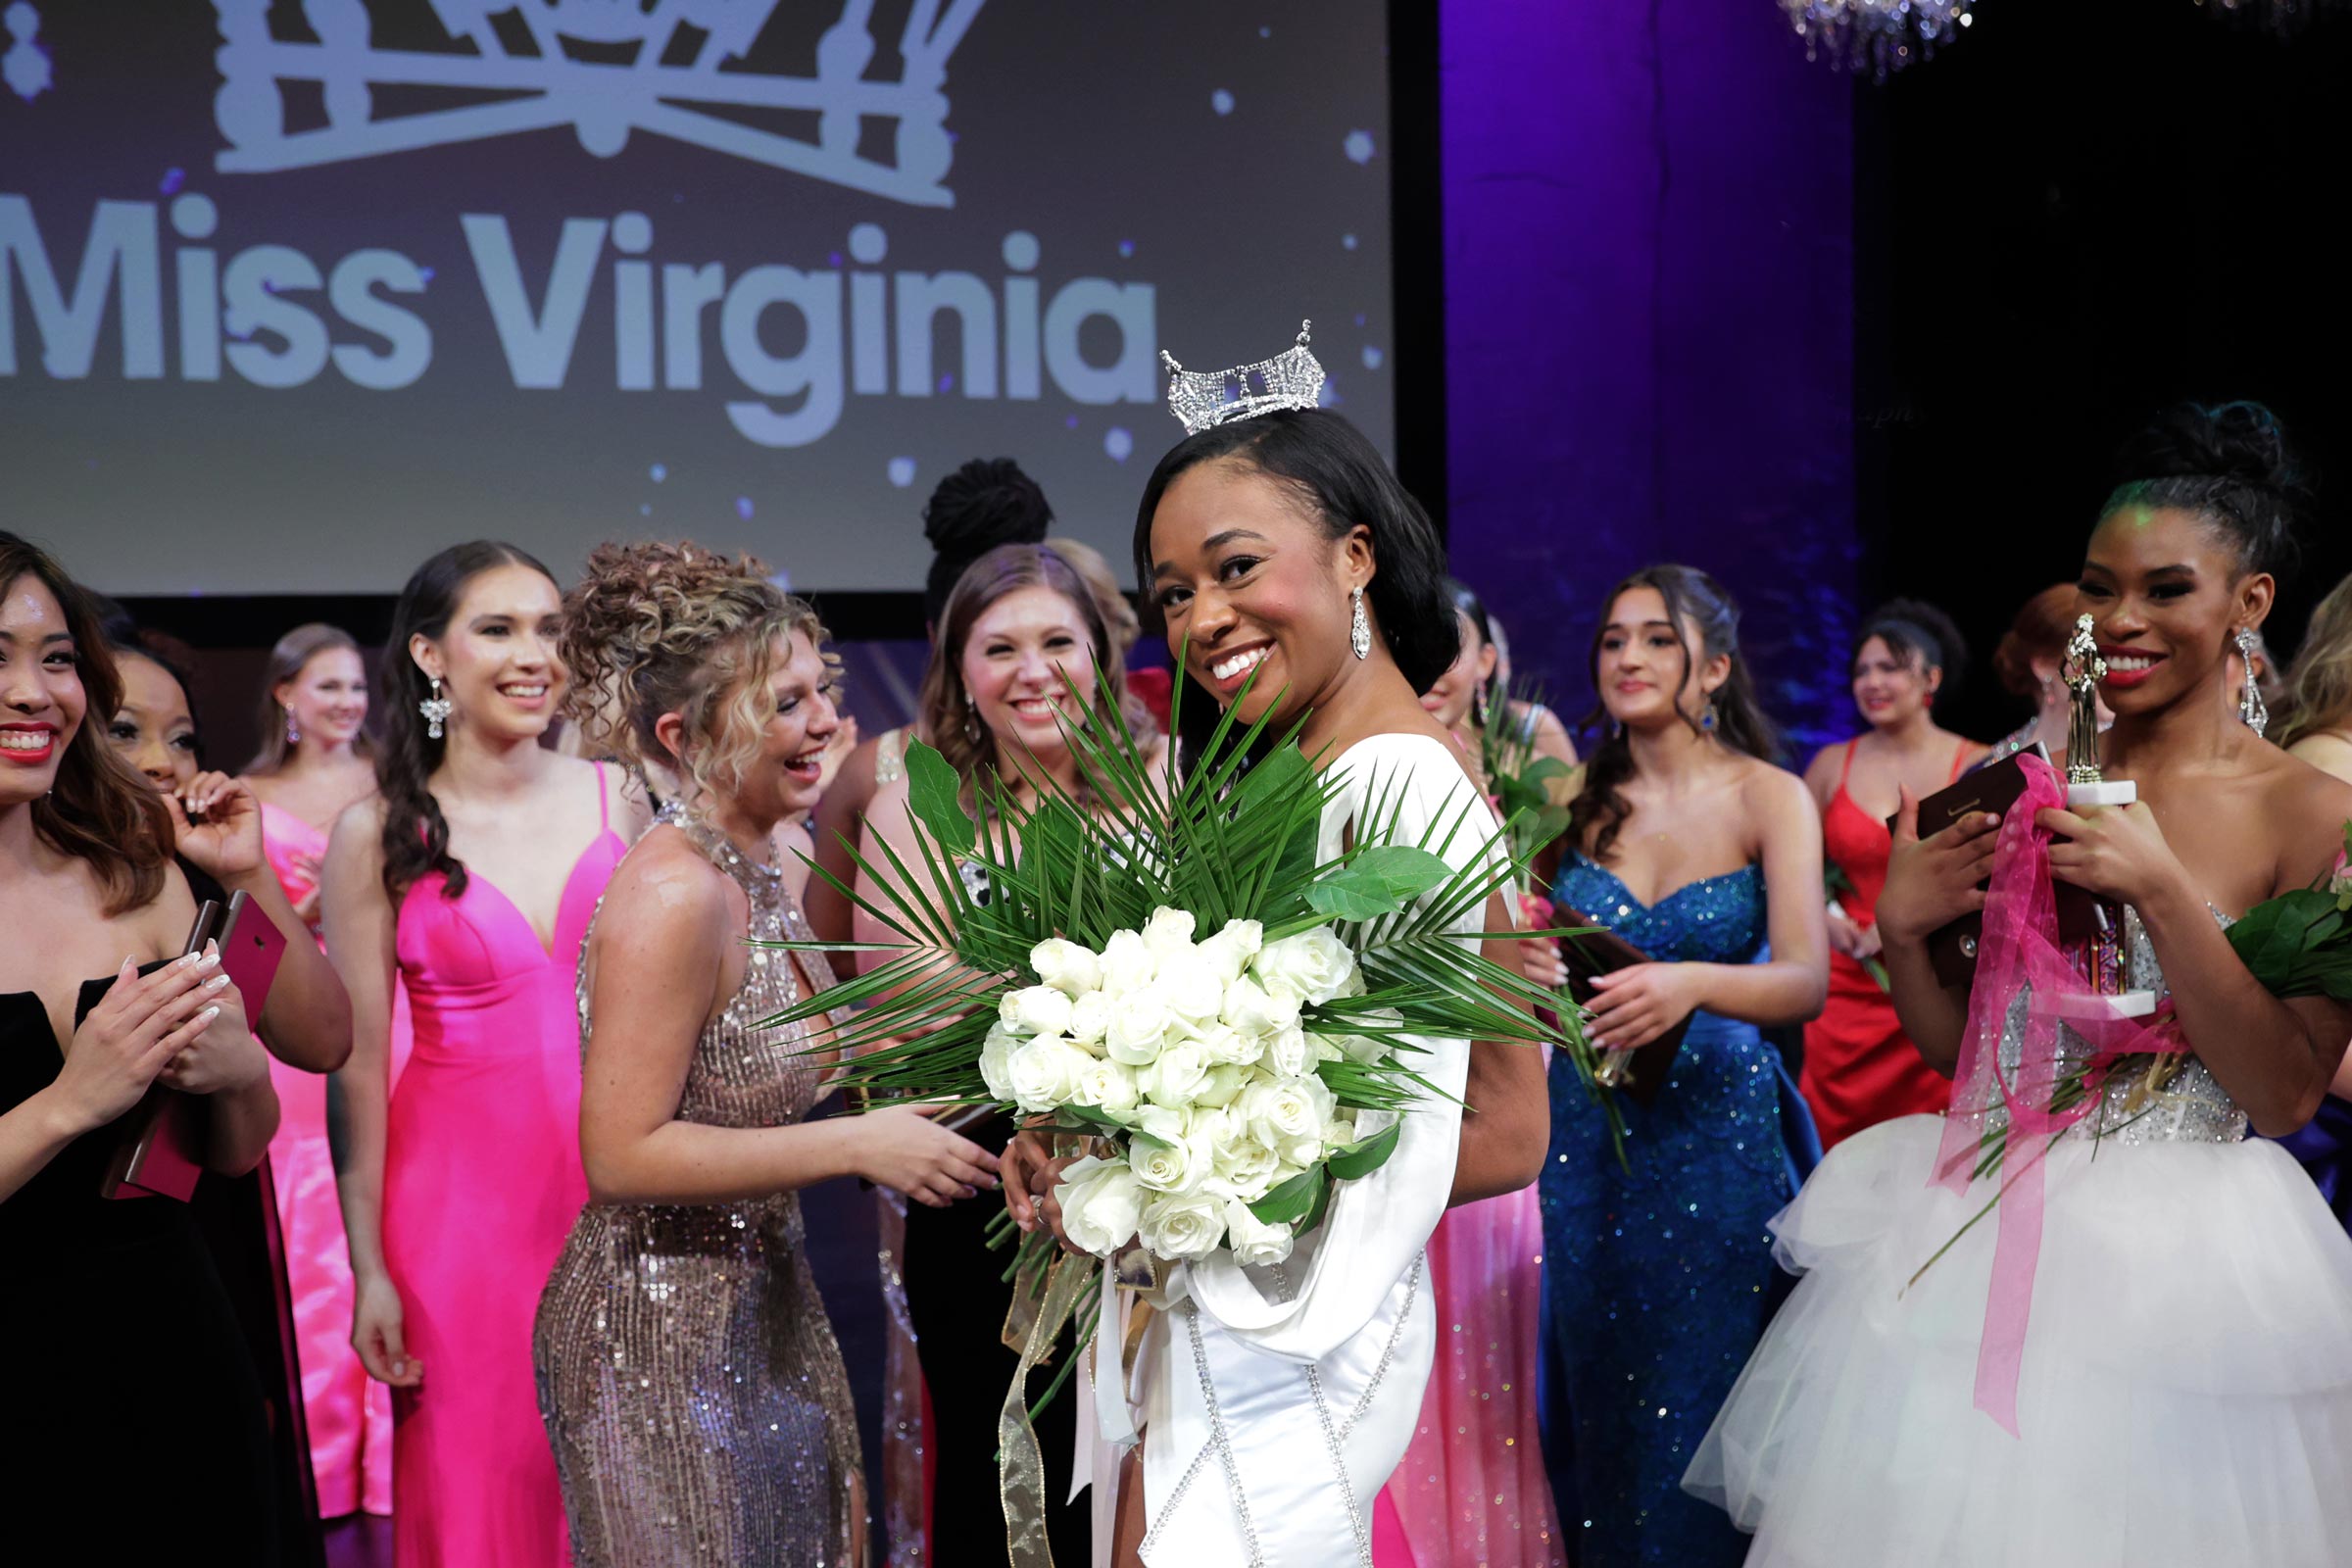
(1875, 35)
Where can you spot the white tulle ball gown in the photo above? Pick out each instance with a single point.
(2185, 1394)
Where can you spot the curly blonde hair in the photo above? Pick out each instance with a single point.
(2321, 683)
(673, 628)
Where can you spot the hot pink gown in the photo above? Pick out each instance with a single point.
(349, 1418)
(481, 1185)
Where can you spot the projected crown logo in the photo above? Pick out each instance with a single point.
(607, 69)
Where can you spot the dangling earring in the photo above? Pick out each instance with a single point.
(293, 731)
(435, 709)
(1360, 629)
(1478, 706)
(1706, 719)
(972, 720)
(2250, 705)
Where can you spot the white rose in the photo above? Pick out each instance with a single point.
(1102, 1204)
(1314, 965)
(995, 1058)
(1287, 1052)
(1239, 1165)
(1139, 1027)
(1176, 1076)
(1230, 951)
(1222, 1045)
(1168, 931)
(1066, 966)
(1166, 1123)
(1287, 1119)
(1181, 1228)
(1249, 1009)
(1127, 964)
(1254, 1243)
(1191, 991)
(1044, 1072)
(1035, 1011)
(1106, 1086)
(1221, 1085)
(1090, 1015)
(1164, 1167)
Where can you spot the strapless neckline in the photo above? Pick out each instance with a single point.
(1694, 885)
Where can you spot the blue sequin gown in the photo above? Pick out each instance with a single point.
(1657, 1283)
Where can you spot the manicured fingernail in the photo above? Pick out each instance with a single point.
(216, 982)
(209, 1014)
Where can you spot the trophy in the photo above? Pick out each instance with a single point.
(2085, 787)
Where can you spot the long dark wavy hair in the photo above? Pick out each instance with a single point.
(1695, 599)
(415, 836)
(99, 810)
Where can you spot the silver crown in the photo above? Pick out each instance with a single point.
(1291, 379)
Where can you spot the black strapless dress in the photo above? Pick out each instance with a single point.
(132, 1414)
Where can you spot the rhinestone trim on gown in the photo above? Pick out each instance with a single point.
(688, 1376)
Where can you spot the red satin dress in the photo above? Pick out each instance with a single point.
(1860, 1069)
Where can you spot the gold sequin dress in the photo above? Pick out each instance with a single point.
(688, 1376)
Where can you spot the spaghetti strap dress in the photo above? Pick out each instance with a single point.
(482, 1182)
(1860, 1069)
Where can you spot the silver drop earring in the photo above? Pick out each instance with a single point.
(2250, 705)
(293, 731)
(1360, 627)
(972, 720)
(435, 709)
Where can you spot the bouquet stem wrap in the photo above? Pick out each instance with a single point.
(1020, 1463)
(2055, 1084)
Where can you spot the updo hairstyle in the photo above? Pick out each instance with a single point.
(673, 628)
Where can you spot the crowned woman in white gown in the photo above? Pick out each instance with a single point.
(2140, 1352)
(1273, 1403)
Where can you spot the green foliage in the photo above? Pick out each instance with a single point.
(1223, 843)
(2299, 943)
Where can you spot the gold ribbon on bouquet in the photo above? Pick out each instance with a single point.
(1042, 1303)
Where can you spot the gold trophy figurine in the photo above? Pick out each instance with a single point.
(2082, 671)
(2085, 789)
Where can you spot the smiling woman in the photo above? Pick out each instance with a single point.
(471, 876)
(85, 859)
(1021, 640)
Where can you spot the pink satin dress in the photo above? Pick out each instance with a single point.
(482, 1182)
(349, 1417)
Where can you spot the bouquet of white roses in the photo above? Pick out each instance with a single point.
(1195, 1063)
(1225, 1084)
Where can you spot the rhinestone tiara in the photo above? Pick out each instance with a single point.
(1200, 399)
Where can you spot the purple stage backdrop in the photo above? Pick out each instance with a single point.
(1648, 216)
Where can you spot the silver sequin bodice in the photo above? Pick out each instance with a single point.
(2192, 1108)
(688, 1375)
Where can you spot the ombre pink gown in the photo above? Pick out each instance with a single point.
(1472, 1488)
(481, 1185)
(349, 1418)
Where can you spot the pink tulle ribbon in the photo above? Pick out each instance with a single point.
(2019, 952)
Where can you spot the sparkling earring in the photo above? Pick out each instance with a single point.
(2250, 705)
(1359, 628)
(1478, 707)
(435, 709)
(1706, 719)
(972, 720)
(293, 730)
